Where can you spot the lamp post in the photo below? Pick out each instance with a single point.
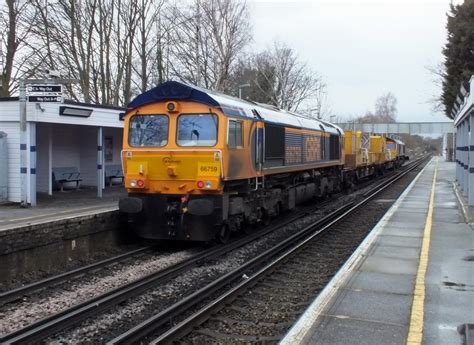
(241, 87)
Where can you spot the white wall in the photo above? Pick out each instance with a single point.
(66, 145)
(9, 111)
(116, 134)
(88, 155)
(13, 143)
(42, 157)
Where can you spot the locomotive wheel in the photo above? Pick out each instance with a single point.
(223, 235)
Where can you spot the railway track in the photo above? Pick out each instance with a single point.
(303, 257)
(71, 316)
(20, 292)
(63, 320)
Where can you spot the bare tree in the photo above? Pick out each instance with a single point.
(320, 107)
(16, 46)
(69, 28)
(208, 41)
(438, 74)
(292, 82)
(386, 107)
(385, 110)
(148, 43)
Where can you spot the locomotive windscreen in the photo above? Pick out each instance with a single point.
(148, 130)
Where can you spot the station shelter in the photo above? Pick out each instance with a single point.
(463, 114)
(70, 135)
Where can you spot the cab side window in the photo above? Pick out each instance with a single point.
(234, 139)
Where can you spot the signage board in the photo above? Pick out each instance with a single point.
(45, 99)
(37, 89)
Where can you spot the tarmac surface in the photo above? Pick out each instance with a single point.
(371, 299)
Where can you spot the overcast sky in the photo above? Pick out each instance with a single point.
(362, 48)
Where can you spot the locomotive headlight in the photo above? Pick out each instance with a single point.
(133, 183)
(172, 107)
(208, 184)
(140, 183)
(200, 184)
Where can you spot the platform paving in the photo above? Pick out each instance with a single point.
(61, 205)
(369, 301)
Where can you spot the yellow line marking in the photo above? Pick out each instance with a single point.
(415, 331)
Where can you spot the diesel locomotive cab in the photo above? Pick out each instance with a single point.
(172, 164)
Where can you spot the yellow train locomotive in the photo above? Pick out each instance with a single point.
(199, 165)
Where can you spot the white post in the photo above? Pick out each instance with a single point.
(103, 167)
(463, 143)
(100, 180)
(461, 156)
(50, 160)
(453, 157)
(465, 157)
(32, 130)
(471, 162)
(23, 144)
(456, 153)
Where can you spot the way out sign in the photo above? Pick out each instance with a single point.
(45, 93)
(45, 99)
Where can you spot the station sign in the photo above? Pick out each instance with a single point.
(45, 89)
(45, 93)
(45, 99)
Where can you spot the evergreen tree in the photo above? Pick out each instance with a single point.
(458, 52)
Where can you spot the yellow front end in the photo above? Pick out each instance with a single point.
(173, 148)
(173, 172)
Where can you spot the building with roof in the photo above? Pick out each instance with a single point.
(463, 114)
(73, 140)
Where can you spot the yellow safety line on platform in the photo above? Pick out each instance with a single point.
(415, 331)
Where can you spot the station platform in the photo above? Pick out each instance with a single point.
(61, 205)
(412, 279)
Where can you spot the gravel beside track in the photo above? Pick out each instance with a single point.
(31, 277)
(51, 301)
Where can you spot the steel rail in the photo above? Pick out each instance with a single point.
(71, 316)
(21, 291)
(310, 232)
(176, 309)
